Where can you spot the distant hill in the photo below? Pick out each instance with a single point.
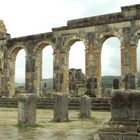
(49, 83)
(107, 81)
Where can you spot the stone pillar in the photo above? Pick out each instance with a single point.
(116, 84)
(97, 54)
(4, 73)
(26, 109)
(30, 74)
(12, 76)
(91, 87)
(6, 76)
(85, 107)
(93, 66)
(61, 107)
(128, 54)
(65, 71)
(130, 81)
(38, 73)
(57, 75)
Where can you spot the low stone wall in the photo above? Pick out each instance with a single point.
(97, 103)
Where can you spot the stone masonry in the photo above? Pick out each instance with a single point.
(125, 117)
(26, 109)
(76, 79)
(61, 107)
(93, 31)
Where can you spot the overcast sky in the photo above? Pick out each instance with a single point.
(26, 17)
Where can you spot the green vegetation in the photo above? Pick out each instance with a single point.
(28, 125)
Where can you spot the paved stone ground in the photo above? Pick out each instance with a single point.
(76, 129)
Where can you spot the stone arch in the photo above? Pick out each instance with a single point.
(71, 40)
(66, 55)
(12, 60)
(40, 45)
(105, 35)
(15, 48)
(38, 64)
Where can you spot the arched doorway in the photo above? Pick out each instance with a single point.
(47, 69)
(44, 69)
(110, 63)
(77, 68)
(17, 66)
(20, 71)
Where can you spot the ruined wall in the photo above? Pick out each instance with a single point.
(93, 31)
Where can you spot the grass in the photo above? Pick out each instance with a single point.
(76, 128)
(28, 125)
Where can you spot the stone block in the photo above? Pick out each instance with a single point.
(61, 107)
(85, 107)
(126, 105)
(26, 109)
(110, 136)
(130, 81)
(131, 136)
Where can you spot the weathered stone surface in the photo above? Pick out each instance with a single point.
(129, 81)
(125, 119)
(91, 87)
(76, 79)
(116, 84)
(93, 31)
(126, 105)
(119, 136)
(26, 109)
(61, 107)
(85, 107)
(110, 136)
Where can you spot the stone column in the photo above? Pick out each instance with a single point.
(38, 73)
(97, 54)
(61, 107)
(12, 76)
(85, 107)
(30, 74)
(26, 109)
(130, 81)
(57, 75)
(65, 71)
(116, 84)
(5, 72)
(93, 66)
(61, 71)
(128, 54)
